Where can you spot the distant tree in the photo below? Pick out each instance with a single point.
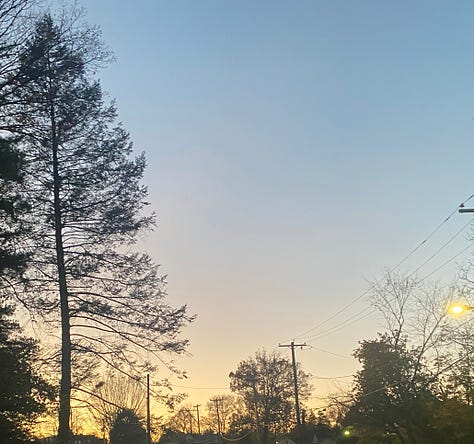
(114, 394)
(127, 429)
(265, 383)
(183, 420)
(231, 410)
(87, 211)
(23, 393)
(317, 425)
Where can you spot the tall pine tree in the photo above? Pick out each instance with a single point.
(87, 205)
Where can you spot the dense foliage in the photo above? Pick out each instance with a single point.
(23, 392)
(388, 389)
(127, 429)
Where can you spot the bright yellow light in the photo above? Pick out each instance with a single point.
(458, 308)
(347, 433)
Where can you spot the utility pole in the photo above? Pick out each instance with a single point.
(148, 420)
(197, 412)
(292, 345)
(216, 400)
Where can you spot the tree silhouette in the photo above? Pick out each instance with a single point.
(390, 387)
(23, 393)
(127, 429)
(114, 394)
(12, 204)
(12, 207)
(265, 383)
(87, 211)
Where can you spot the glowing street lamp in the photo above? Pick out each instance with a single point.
(458, 309)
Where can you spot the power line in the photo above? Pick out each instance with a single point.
(362, 314)
(332, 377)
(366, 292)
(442, 247)
(199, 388)
(343, 309)
(448, 261)
(350, 321)
(328, 352)
(433, 232)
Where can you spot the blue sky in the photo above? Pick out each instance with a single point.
(295, 150)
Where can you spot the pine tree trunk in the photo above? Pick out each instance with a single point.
(64, 431)
(265, 435)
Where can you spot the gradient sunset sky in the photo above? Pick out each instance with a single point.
(296, 150)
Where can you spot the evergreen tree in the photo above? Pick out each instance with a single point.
(12, 207)
(23, 393)
(127, 429)
(87, 210)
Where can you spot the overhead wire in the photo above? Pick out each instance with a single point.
(332, 377)
(199, 388)
(433, 232)
(328, 352)
(362, 314)
(367, 311)
(468, 247)
(330, 318)
(442, 247)
(349, 321)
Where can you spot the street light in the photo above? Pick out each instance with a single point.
(458, 309)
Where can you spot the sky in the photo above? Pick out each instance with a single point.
(296, 151)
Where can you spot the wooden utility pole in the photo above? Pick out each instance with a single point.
(216, 400)
(197, 413)
(292, 345)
